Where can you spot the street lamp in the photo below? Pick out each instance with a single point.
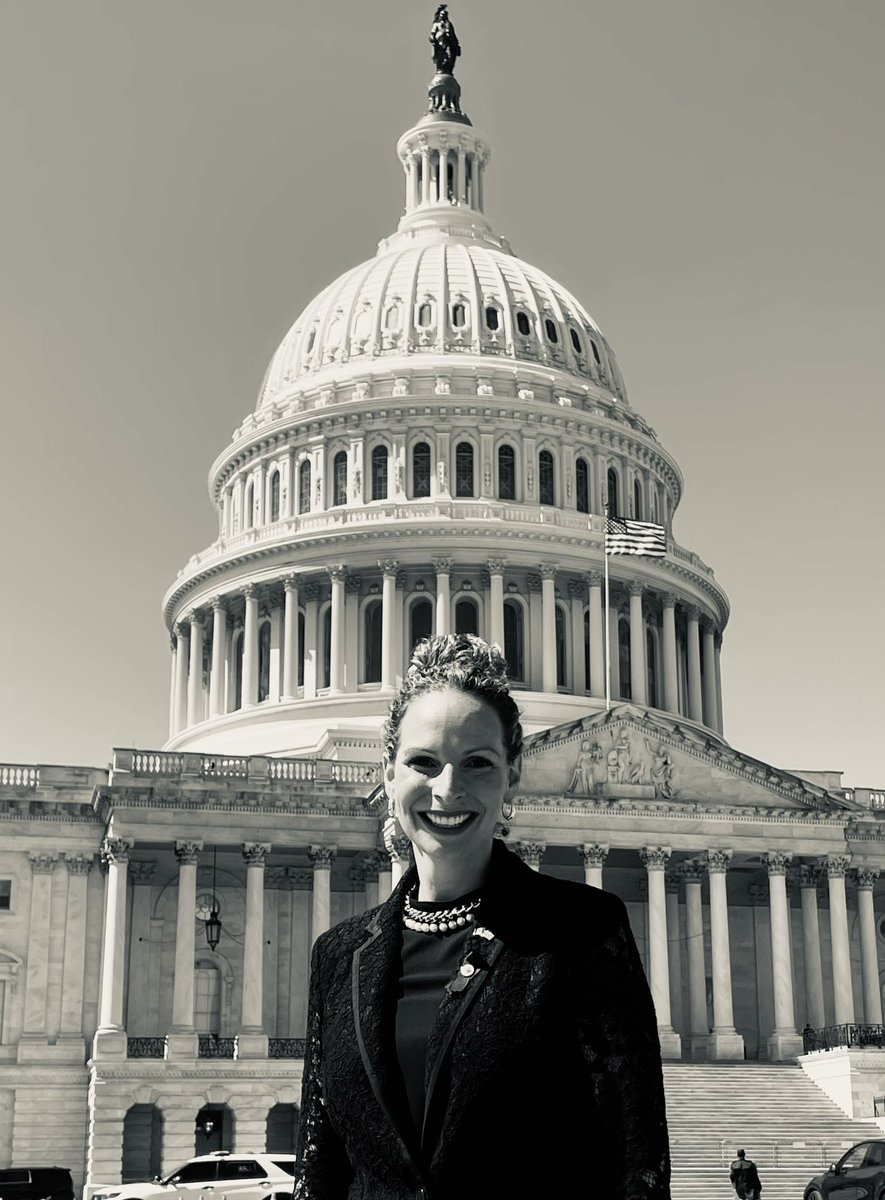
(213, 922)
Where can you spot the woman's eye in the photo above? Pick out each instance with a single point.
(422, 762)
(479, 761)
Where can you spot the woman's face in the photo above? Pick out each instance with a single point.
(450, 775)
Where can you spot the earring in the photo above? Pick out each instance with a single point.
(507, 810)
(390, 807)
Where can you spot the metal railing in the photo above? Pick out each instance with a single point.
(286, 1047)
(209, 1046)
(146, 1047)
(842, 1037)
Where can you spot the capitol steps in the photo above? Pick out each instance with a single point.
(787, 1125)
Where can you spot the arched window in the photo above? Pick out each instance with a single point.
(301, 649)
(372, 642)
(275, 496)
(420, 622)
(249, 506)
(637, 500)
(311, 338)
(142, 1143)
(214, 1131)
(546, 479)
(623, 680)
(379, 473)
(576, 341)
(425, 316)
(282, 1129)
(611, 479)
(466, 617)
(506, 473)
(207, 997)
(514, 639)
(492, 318)
(459, 316)
(392, 318)
(421, 470)
(651, 667)
(559, 621)
(523, 324)
(327, 648)
(264, 661)
(464, 469)
(582, 485)
(304, 487)
(339, 478)
(238, 670)
(595, 350)
(551, 330)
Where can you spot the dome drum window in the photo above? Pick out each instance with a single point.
(425, 315)
(576, 341)
(523, 324)
(551, 330)
(421, 471)
(379, 473)
(459, 315)
(464, 472)
(493, 318)
(339, 478)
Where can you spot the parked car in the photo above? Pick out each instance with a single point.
(236, 1176)
(858, 1175)
(36, 1183)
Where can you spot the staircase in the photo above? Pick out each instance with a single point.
(787, 1125)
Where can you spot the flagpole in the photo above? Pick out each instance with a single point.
(608, 664)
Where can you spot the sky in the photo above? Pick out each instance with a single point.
(180, 178)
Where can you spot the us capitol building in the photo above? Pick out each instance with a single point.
(431, 449)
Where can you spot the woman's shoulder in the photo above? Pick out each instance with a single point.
(347, 934)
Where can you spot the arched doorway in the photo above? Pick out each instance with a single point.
(282, 1129)
(214, 1129)
(142, 1143)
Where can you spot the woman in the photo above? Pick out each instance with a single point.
(488, 1030)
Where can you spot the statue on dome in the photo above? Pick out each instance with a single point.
(444, 40)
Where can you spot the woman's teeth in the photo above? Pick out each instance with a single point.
(447, 822)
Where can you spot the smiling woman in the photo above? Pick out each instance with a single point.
(487, 1030)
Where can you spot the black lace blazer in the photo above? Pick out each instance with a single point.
(543, 1067)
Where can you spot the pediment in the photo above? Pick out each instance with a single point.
(629, 756)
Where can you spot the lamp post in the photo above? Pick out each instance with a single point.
(213, 923)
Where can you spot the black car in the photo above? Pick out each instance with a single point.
(858, 1175)
(36, 1183)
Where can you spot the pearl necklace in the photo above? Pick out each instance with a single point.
(438, 920)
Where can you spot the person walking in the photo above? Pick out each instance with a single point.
(745, 1178)
(488, 1030)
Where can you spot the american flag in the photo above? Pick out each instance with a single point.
(623, 536)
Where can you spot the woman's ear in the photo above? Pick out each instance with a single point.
(514, 774)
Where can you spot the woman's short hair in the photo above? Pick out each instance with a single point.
(465, 663)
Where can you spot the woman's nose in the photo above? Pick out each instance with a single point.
(446, 785)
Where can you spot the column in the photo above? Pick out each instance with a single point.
(576, 591)
(425, 176)
(655, 860)
(674, 946)
(784, 1042)
(693, 645)
(181, 656)
(181, 1041)
(399, 849)
(843, 994)
(531, 853)
(548, 620)
(698, 1026)
(443, 569)
(711, 719)
(252, 1039)
(309, 650)
(291, 649)
(388, 620)
(74, 964)
(720, 722)
(195, 671)
(872, 996)
(593, 855)
(597, 634)
(250, 647)
(37, 976)
(337, 575)
(217, 706)
(370, 878)
(724, 1042)
(638, 675)
(670, 669)
(815, 1013)
(496, 601)
(110, 1037)
(173, 686)
(385, 876)
(322, 858)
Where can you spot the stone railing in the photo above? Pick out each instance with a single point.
(157, 764)
(13, 775)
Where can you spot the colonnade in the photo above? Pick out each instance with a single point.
(317, 638)
(671, 979)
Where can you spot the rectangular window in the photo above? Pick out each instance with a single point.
(5, 895)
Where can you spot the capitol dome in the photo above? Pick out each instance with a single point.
(434, 446)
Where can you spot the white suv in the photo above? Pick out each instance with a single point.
(222, 1175)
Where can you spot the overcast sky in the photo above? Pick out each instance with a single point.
(180, 177)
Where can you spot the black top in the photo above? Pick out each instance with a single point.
(427, 963)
